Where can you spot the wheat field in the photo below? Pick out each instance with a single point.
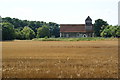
(60, 59)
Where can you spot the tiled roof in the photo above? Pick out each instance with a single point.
(72, 28)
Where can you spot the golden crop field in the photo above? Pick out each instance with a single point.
(60, 59)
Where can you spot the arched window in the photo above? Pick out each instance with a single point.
(84, 35)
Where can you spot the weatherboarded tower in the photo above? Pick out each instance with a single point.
(88, 24)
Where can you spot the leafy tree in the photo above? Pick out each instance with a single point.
(118, 31)
(106, 32)
(111, 31)
(34, 25)
(99, 26)
(7, 19)
(54, 29)
(27, 33)
(24, 23)
(8, 32)
(43, 32)
(18, 34)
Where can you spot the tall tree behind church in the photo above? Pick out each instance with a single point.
(99, 26)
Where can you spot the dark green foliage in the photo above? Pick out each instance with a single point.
(54, 29)
(43, 32)
(99, 26)
(33, 25)
(18, 34)
(111, 31)
(8, 32)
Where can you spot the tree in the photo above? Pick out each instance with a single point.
(43, 32)
(34, 25)
(27, 33)
(54, 29)
(8, 32)
(118, 31)
(7, 19)
(99, 26)
(106, 32)
(111, 31)
(18, 34)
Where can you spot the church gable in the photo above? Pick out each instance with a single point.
(77, 30)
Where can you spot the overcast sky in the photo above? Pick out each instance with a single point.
(61, 11)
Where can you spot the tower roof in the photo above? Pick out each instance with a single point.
(88, 18)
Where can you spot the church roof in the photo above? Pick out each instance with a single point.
(72, 27)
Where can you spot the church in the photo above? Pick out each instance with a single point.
(77, 30)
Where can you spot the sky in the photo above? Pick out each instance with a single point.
(61, 11)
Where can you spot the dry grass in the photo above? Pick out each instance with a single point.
(60, 59)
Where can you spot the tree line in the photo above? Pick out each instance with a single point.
(13, 28)
(103, 29)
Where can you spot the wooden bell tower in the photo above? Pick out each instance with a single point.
(88, 24)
